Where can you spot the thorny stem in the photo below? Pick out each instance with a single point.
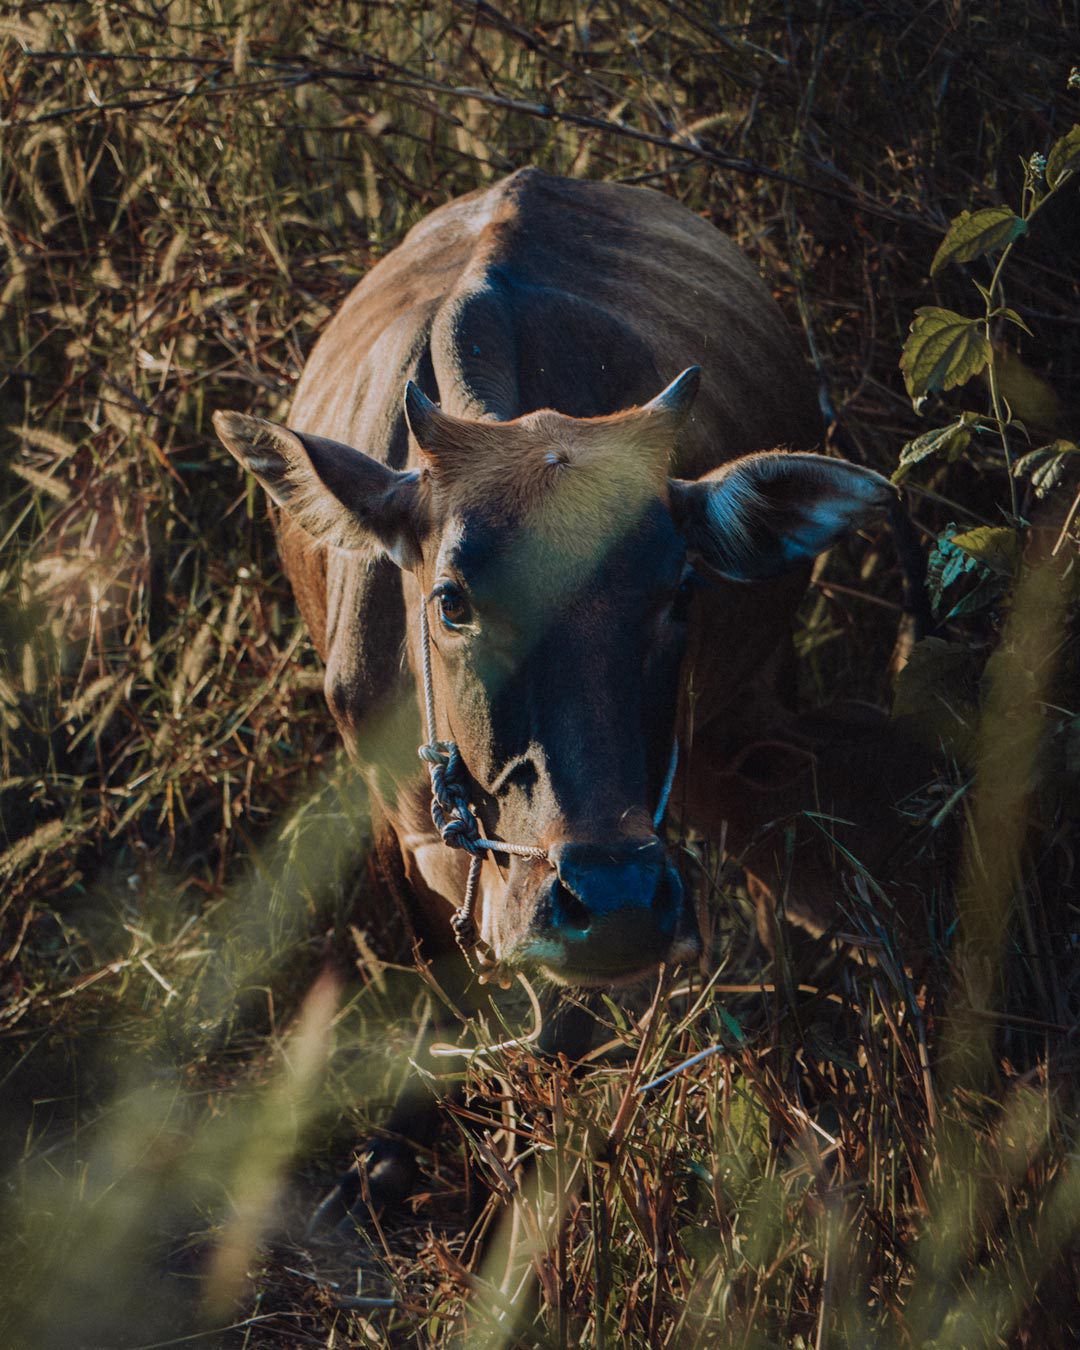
(995, 289)
(995, 399)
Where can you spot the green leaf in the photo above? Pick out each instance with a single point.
(951, 441)
(972, 234)
(997, 547)
(1015, 318)
(946, 565)
(1064, 159)
(983, 559)
(732, 1026)
(617, 1014)
(1045, 466)
(943, 350)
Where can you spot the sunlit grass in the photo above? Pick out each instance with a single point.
(198, 1012)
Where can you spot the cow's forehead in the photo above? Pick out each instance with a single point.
(508, 559)
(548, 505)
(563, 475)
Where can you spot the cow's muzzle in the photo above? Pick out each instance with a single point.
(610, 913)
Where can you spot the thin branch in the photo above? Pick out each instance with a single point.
(296, 73)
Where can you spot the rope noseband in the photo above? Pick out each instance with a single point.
(454, 817)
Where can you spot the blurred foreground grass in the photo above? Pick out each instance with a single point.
(196, 1012)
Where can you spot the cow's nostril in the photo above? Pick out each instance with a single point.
(609, 913)
(572, 913)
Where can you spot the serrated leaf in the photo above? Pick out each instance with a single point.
(997, 547)
(1064, 158)
(974, 233)
(983, 558)
(952, 441)
(1046, 465)
(1015, 318)
(988, 593)
(946, 565)
(942, 351)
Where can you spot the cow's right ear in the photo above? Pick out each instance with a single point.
(339, 495)
(765, 514)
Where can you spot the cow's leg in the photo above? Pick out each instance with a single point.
(384, 1169)
(383, 1172)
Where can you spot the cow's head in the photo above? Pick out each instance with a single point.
(556, 557)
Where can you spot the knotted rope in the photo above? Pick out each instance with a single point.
(452, 813)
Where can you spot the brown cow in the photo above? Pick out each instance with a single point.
(606, 570)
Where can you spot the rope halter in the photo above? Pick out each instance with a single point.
(454, 817)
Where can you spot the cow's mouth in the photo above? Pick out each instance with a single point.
(621, 946)
(681, 953)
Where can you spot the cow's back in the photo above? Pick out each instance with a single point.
(542, 292)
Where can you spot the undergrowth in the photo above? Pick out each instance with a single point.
(198, 1012)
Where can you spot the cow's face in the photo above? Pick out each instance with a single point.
(555, 561)
(557, 584)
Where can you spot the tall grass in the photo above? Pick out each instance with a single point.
(198, 1010)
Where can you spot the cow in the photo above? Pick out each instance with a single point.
(551, 474)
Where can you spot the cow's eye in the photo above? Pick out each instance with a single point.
(680, 608)
(453, 605)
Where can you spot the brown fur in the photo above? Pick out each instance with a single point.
(539, 294)
(574, 485)
(677, 292)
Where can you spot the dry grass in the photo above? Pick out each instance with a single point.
(186, 193)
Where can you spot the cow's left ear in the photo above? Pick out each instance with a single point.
(339, 495)
(759, 516)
